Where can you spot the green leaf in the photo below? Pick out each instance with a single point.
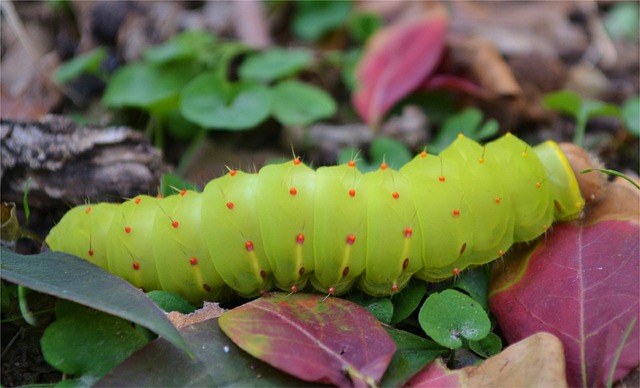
(168, 301)
(475, 282)
(362, 25)
(487, 347)
(70, 344)
(622, 20)
(146, 86)
(381, 308)
(406, 302)
(68, 277)
(313, 19)
(564, 101)
(412, 355)
(85, 63)
(188, 45)
(631, 115)
(213, 103)
(296, 103)
(276, 63)
(467, 122)
(449, 316)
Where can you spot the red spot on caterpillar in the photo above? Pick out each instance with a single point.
(248, 246)
(395, 195)
(455, 272)
(183, 192)
(463, 248)
(230, 205)
(331, 290)
(301, 271)
(538, 184)
(423, 154)
(500, 252)
(206, 287)
(90, 252)
(127, 229)
(233, 172)
(352, 192)
(175, 224)
(136, 265)
(263, 274)
(394, 288)
(408, 232)
(351, 239)
(405, 263)
(137, 200)
(456, 212)
(383, 166)
(293, 191)
(441, 178)
(345, 271)
(294, 289)
(159, 196)
(297, 161)
(351, 163)
(300, 239)
(87, 211)
(481, 160)
(193, 261)
(498, 199)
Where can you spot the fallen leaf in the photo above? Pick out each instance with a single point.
(536, 361)
(313, 338)
(581, 284)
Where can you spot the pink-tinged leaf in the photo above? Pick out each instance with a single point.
(581, 284)
(314, 338)
(395, 62)
(454, 82)
(534, 361)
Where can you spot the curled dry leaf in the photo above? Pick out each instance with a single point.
(592, 185)
(207, 312)
(535, 361)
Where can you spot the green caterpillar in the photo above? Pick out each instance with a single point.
(334, 227)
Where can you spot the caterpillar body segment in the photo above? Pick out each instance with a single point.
(335, 228)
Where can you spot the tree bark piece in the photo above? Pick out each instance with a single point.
(70, 164)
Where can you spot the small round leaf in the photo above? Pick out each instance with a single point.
(295, 103)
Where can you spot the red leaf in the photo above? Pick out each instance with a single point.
(396, 61)
(312, 337)
(581, 284)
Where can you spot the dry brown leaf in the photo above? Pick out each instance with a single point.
(208, 311)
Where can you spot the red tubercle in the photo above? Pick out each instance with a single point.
(90, 252)
(455, 272)
(230, 205)
(395, 195)
(300, 239)
(352, 192)
(408, 232)
(331, 290)
(394, 287)
(293, 289)
(127, 229)
(183, 193)
(498, 199)
(351, 239)
(441, 178)
(136, 265)
(293, 191)
(87, 210)
(423, 154)
(248, 246)
(538, 185)
(193, 261)
(159, 196)
(500, 252)
(383, 166)
(456, 212)
(175, 224)
(137, 200)
(233, 172)
(351, 163)
(297, 161)
(481, 160)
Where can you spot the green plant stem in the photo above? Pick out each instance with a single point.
(612, 172)
(619, 351)
(28, 316)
